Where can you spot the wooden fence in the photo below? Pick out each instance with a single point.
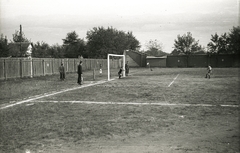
(24, 67)
(220, 60)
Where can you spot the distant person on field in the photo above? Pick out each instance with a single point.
(79, 73)
(209, 71)
(149, 66)
(127, 68)
(100, 70)
(62, 72)
(120, 72)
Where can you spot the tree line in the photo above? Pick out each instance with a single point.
(102, 41)
(226, 43)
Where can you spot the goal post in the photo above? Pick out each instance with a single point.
(108, 62)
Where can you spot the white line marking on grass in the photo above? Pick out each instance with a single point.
(54, 93)
(135, 103)
(173, 80)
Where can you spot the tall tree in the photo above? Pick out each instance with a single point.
(186, 44)
(41, 50)
(20, 40)
(132, 43)
(74, 46)
(19, 36)
(234, 40)
(155, 48)
(71, 38)
(201, 50)
(219, 44)
(227, 43)
(4, 51)
(56, 51)
(102, 41)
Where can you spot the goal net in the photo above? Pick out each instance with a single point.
(115, 67)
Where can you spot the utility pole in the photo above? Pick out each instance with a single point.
(238, 13)
(20, 39)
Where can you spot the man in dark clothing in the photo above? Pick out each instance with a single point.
(127, 68)
(80, 73)
(62, 72)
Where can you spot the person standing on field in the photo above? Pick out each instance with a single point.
(127, 68)
(209, 69)
(100, 70)
(80, 73)
(62, 72)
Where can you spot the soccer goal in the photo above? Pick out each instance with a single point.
(109, 64)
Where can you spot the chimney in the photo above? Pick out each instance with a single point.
(6, 41)
(20, 38)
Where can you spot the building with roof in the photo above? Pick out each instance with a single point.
(20, 49)
(135, 58)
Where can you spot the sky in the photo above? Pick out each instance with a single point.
(162, 20)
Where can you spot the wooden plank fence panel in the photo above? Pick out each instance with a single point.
(65, 63)
(47, 66)
(86, 65)
(38, 67)
(104, 64)
(2, 73)
(76, 62)
(225, 60)
(236, 61)
(23, 67)
(198, 61)
(26, 67)
(56, 64)
(71, 65)
(12, 68)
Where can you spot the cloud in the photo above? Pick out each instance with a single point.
(50, 21)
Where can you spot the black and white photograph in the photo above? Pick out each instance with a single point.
(107, 76)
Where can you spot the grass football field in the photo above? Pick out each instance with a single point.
(167, 110)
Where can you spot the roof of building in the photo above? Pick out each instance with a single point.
(155, 57)
(138, 52)
(16, 46)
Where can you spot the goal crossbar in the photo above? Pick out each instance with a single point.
(123, 65)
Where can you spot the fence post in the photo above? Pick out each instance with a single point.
(74, 66)
(43, 67)
(90, 64)
(31, 67)
(21, 69)
(4, 69)
(67, 64)
(52, 66)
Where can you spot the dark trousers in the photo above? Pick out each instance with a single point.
(208, 74)
(79, 78)
(62, 75)
(119, 74)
